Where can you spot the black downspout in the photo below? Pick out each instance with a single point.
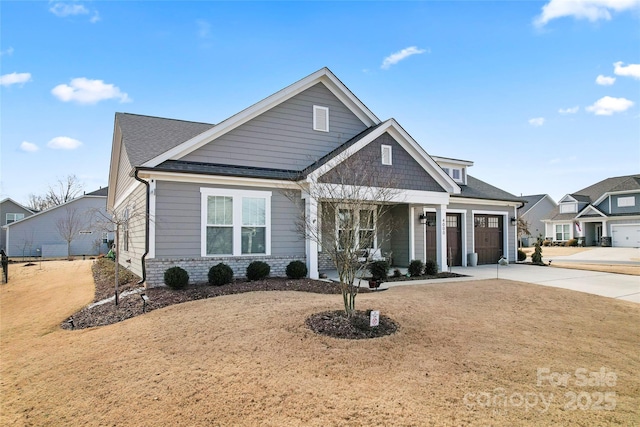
(146, 228)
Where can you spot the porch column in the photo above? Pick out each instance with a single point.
(311, 245)
(441, 237)
(605, 232)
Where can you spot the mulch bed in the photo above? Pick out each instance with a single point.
(336, 324)
(442, 275)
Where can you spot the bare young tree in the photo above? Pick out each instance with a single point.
(63, 191)
(353, 222)
(27, 242)
(117, 221)
(523, 228)
(69, 226)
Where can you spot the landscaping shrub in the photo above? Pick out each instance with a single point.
(572, 242)
(220, 274)
(416, 268)
(296, 270)
(379, 270)
(430, 267)
(521, 255)
(258, 270)
(176, 278)
(536, 256)
(397, 273)
(546, 242)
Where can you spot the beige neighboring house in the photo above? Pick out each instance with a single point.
(10, 212)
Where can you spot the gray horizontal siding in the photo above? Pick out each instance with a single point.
(635, 209)
(366, 165)
(124, 180)
(283, 137)
(137, 205)
(26, 237)
(178, 222)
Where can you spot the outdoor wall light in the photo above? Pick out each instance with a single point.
(422, 218)
(513, 220)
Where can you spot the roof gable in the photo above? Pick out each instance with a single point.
(324, 76)
(402, 138)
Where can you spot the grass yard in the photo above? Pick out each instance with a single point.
(466, 353)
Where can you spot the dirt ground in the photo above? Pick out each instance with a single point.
(489, 352)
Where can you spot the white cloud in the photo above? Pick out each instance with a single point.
(68, 9)
(592, 10)
(631, 70)
(605, 81)
(62, 10)
(64, 143)
(8, 51)
(14, 78)
(571, 110)
(86, 91)
(537, 121)
(29, 147)
(396, 57)
(607, 105)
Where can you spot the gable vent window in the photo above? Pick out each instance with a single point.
(386, 155)
(626, 201)
(320, 118)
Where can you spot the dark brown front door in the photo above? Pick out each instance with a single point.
(454, 238)
(488, 238)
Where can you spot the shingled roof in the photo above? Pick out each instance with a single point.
(594, 192)
(477, 189)
(145, 137)
(530, 201)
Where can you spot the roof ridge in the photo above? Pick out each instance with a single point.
(164, 118)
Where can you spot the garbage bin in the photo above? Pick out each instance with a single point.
(525, 242)
(605, 242)
(472, 259)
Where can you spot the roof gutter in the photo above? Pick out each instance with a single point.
(146, 227)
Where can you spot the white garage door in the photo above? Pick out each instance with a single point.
(625, 236)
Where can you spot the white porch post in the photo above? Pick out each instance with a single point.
(605, 232)
(441, 237)
(412, 230)
(311, 245)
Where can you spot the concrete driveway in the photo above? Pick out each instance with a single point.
(600, 256)
(610, 285)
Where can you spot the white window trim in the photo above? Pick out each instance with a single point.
(316, 126)
(555, 232)
(356, 220)
(626, 202)
(564, 207)
(389, 148)
(237, 196)
(15, 219)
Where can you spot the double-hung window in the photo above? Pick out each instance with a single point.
(356, 228)
(562, 232)
(235, 223)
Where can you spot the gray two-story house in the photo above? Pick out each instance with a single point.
(606, 213)
(10, 212)
(537, 208)
(199, 193)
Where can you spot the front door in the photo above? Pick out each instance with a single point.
(454, 238)
(488, 238)
(598, 229)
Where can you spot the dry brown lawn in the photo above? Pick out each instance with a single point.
(248, 359)
(552, 251)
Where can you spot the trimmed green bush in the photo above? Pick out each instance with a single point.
(521, 255)
(296, 270)
(220, 274)
(379, 270)
(430, 267)
(416, 268)
(536, 256)
(397, 273)
(258, 270)
(176, 278)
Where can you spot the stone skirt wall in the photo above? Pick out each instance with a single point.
(198, 268)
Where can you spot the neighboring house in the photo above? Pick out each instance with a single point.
(604, 214)
(189, 187)
(11, 211)
(39, 234)
(537, 208)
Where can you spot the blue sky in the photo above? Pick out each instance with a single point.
(542, 95)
